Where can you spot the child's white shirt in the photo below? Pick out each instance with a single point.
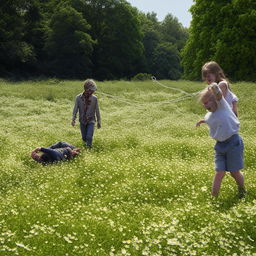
(223, 123)
(230, 96)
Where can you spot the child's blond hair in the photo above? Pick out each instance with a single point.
(90, 84)
(206, 93)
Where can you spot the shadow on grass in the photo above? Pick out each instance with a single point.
(227, 203)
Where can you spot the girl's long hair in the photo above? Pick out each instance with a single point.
(214, 68)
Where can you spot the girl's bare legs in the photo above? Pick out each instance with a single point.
(219, 175)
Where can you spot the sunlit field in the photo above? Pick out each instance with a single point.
(144, 188)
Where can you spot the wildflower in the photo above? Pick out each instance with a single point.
(173, 241)
(21, 245)
(204, 188)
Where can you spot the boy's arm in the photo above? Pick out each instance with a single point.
(224, 87)
(98, 115)
(234, 104)
(52, 153)
(47, 150)
(216, 91)
(200, 122)
(75, 109)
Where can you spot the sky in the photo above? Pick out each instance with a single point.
(178, 8)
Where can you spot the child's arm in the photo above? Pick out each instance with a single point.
(75, 110)
(234, 107)
(200, 122)
(98, 115)
(224, 87)
(216, 91)
(55, 155)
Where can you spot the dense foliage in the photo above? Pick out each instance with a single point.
(223, 31)
(110, 39)
(104, 39)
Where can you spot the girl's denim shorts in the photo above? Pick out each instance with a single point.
(229, 154)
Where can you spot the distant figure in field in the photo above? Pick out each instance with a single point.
(213, 73)
(87, 105)
(224, 126)
(60, 151)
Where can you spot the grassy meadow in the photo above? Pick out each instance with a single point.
(144, 188)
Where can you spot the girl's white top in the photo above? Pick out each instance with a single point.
(223, 123)
(230, 96)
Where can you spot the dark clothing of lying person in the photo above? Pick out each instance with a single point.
(60, 151)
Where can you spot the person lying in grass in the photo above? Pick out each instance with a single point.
(60, 151)
(229, 147)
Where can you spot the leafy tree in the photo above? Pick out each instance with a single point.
(34, 33)
(68, 45)
(235, 47)
(205, 25)
(223, 31)
(162, 43)
(166, 61)
(121, 43)
(15, 51)
(151, 38)
(173, 32)
(115, 26)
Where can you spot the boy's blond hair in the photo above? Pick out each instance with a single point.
(90, 84)
(206, 93)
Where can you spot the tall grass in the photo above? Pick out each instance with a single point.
(144, 188)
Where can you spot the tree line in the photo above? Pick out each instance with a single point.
(110, 39)
(104, 39)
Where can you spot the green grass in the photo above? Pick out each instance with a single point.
(145, 187)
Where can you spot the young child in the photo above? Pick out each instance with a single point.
(87, 105)
(60, 151)
(224, 126)
(213, 73)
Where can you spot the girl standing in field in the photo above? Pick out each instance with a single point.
(87, 105)
(224, 126)
(213, 73)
